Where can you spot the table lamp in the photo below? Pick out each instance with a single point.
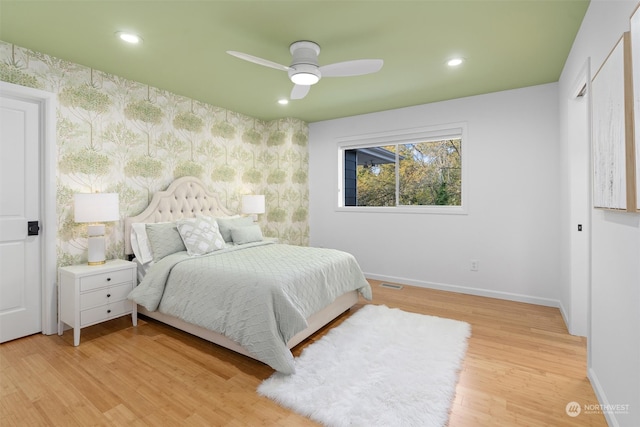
(96, 208)
(253, 205)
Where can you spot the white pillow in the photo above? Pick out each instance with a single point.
(140, 243)
(200, 235)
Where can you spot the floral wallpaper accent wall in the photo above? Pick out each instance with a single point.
(117, 135)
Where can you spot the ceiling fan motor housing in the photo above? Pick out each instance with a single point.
(305, 60)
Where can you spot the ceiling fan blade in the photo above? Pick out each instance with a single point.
(259, 61)
(299, 91)
(357, 67)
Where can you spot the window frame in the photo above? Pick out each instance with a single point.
(405, 136)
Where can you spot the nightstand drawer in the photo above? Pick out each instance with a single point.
(104, 296)
(104, 312)
(104, 279)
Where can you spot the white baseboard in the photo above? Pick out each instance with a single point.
(467, 290)
(602, 398)
(565, 316)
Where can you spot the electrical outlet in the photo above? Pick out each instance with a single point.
(474, 265)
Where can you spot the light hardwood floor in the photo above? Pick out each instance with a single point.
(521, 368)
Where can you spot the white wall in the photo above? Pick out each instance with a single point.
(614, 337)
(512, 225)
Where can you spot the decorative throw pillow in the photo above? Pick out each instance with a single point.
(226, 224)
(200, 235)
(247, 234)
(164, 239)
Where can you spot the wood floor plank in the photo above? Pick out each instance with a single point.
(521, 369)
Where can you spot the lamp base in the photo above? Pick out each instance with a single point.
(96, 245)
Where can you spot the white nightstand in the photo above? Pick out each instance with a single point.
(90, 294)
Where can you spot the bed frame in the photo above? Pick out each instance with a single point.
(187, 197)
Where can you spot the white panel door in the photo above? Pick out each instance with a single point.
(20, 253)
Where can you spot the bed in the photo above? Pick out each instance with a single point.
(249, 294)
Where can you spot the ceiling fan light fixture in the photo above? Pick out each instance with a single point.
(304, 74)
(304, 79)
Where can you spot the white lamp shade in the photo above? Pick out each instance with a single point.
(96, 207)
(253, 204)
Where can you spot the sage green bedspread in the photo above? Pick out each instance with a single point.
(258, 295)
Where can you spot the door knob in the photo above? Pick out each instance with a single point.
(33, 228)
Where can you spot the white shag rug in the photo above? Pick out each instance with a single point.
(380, 367)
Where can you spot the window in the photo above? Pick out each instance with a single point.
(418, 170)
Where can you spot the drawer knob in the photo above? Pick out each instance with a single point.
(108, 295)
(108, 279)
(108, 311)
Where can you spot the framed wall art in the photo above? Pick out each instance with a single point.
(609, 132)
(614, 154)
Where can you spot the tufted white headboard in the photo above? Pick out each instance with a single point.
(184, 198)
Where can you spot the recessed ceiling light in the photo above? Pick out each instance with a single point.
(283, 101)
(454, 62)
(129, 37)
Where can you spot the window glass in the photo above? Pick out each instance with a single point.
(374, 180)
(425, 173)
(430, 173)
(411, 170)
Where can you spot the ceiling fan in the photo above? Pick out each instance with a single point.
(304, 70)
